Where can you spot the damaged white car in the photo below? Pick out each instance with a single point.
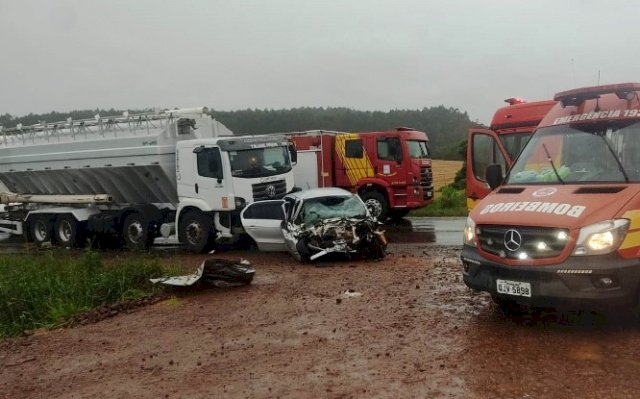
(312, 223)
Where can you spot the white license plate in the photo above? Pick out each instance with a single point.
(517, 288)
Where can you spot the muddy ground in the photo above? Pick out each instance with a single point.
(402, 327)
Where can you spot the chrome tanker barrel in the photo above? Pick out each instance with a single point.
(129, 157)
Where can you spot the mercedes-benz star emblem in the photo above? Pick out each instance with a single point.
(512, 240)
(271, 191)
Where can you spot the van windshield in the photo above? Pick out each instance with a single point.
(580, 154)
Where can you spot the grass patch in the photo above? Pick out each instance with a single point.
(46, 289)
(448, 202)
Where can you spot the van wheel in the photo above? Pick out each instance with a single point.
(135, 231)
(195, 232)
(67, 231)
(376, 203)
(40, 229)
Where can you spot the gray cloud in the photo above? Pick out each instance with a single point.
(374, 55)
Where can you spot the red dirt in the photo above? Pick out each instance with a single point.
(303, 331)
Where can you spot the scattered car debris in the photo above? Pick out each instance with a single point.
(351, 294)
(213, 271)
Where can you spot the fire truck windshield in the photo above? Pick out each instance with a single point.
(514, 142)
(418, 149)
(580, 154)
(260, 162)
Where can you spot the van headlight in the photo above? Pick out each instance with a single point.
(469, 234)
(601, 238)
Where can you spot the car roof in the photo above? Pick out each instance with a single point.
(320, 192)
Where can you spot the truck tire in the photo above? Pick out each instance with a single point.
(377, 204)
(67, 232)
(195, 232)
(40, 229)
(135, 232)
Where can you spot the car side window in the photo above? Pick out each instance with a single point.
(270, 210)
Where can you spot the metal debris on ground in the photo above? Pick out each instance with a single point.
(214, 271)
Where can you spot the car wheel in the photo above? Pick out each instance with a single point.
(377, 204)
(303, 250)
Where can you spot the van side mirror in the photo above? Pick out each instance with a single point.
(494, 175)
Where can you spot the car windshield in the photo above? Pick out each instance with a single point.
(260, 162)
(418, 149)
(316, 209)
(580, 154)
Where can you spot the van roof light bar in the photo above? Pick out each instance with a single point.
(578, 96)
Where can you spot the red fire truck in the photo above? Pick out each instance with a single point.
(510, 130)
(390, 170)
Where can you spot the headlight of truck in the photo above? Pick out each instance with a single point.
(601, 238)
(469, 234)
(240, 203)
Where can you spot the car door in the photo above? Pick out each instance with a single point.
(262, 220)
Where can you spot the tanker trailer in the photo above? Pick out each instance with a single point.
(134, 177)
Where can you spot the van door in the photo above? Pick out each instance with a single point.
(483, 148)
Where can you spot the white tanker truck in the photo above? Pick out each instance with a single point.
(134, 178)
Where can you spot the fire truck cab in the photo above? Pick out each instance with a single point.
(562, 228)
(389, 170)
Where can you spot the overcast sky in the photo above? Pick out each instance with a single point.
(364, 54)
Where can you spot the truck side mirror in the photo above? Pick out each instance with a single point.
(293, 154)
(494, 175)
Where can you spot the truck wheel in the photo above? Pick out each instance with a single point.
(195, 232)
(376, 203)
(135, 231)
(40, 229)
(67, 232)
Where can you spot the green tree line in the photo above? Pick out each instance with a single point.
(446, 127)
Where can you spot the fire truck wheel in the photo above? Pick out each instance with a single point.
(195, 232)
(376, 203)
(40, 229)
(67, 231)
(135, 231)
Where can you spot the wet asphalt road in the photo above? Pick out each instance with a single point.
(445, 231)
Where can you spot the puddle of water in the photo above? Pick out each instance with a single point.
(440, 231)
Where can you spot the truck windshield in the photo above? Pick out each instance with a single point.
(514, 143)
(260, 162)
(580, 154)
(316, 209)
(418, 149)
